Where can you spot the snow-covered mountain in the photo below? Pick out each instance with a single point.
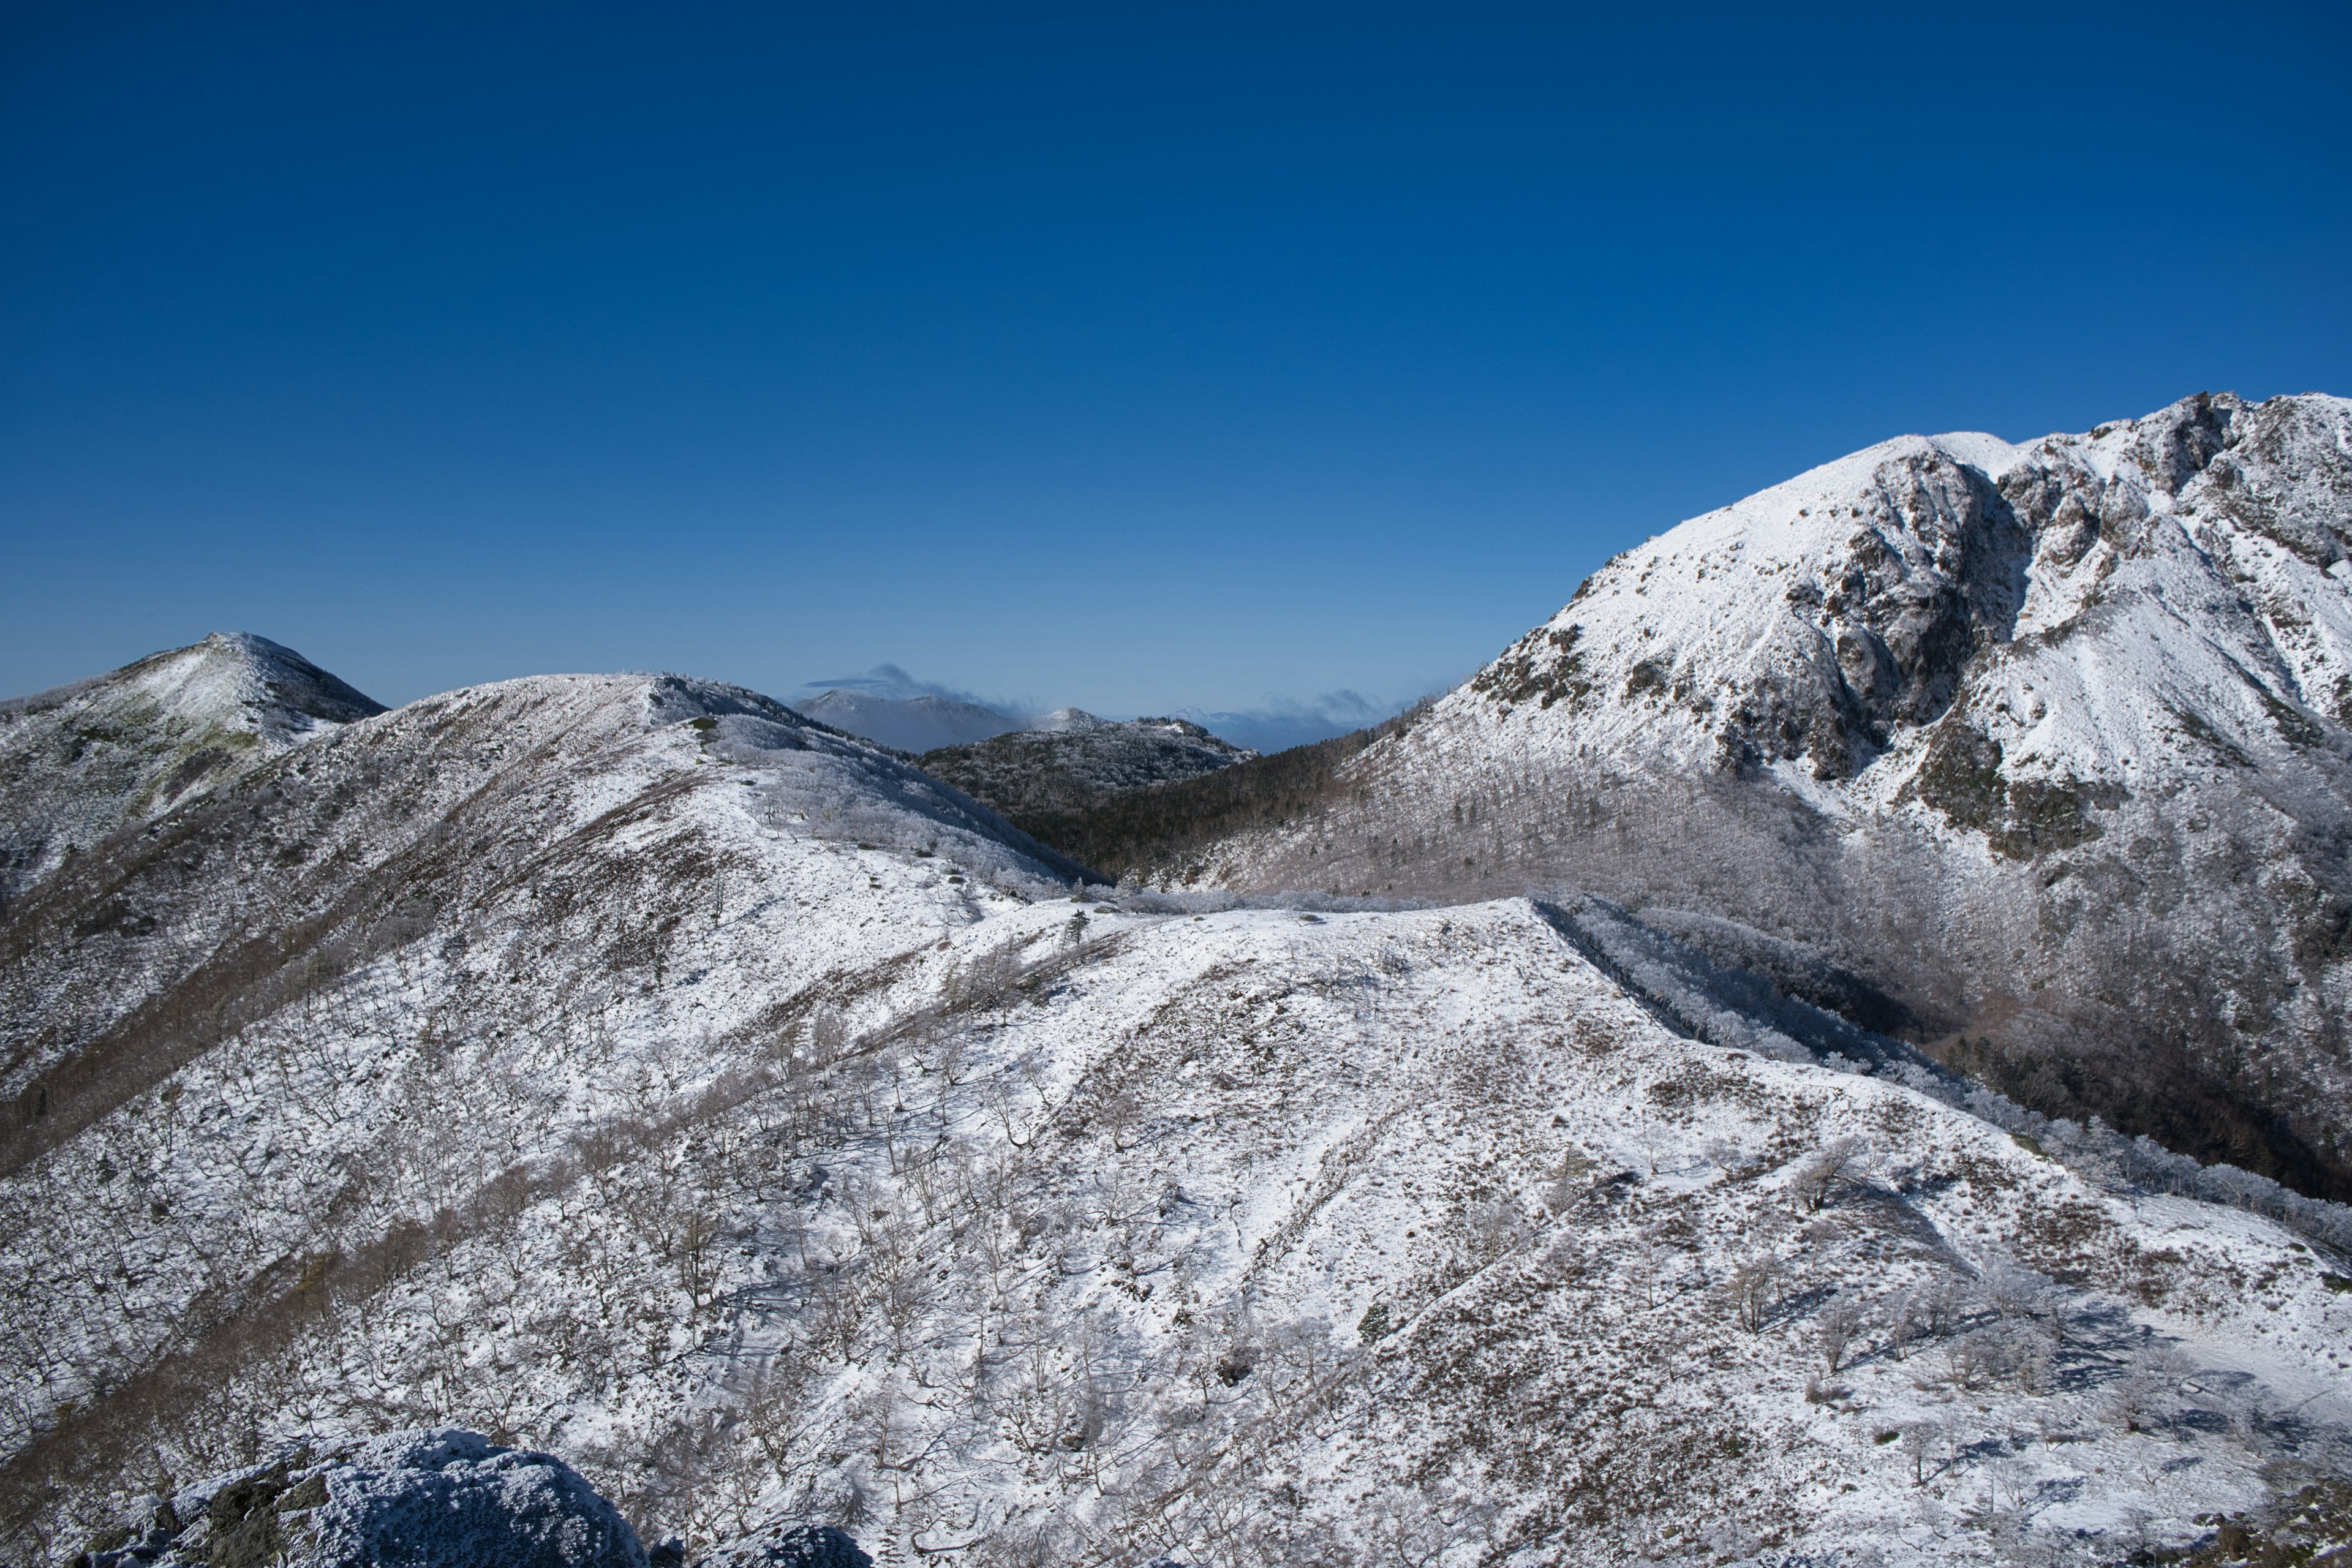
(1070, 760)
(624, 1068)
(2041, 748)
(77, 763)
(910, 724)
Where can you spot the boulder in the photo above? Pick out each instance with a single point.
(444, 1497)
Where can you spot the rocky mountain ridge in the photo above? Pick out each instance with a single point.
(630, 1068)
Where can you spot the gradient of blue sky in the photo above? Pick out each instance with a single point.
(1136, 357)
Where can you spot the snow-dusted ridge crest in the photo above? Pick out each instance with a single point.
(2014, 733)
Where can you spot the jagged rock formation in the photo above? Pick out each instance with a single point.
(1072, 761)
(912, 724)
(2043, 749)
(77, 763)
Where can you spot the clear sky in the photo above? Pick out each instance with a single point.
(1132, 356)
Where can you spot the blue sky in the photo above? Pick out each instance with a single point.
(1133, 357)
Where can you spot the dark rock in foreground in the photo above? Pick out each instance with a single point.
(447, 1498)
(439, 1499)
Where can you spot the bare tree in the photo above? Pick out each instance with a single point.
(1826, 1169)
(1920, 1441)
(827, 1035)
(2012, 1290)
(1835, 1329)
(1406, 1528)
(1754, 1289)
(2138, 1400)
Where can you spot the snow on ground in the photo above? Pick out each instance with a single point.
(2050, 745)
(1054, 1229)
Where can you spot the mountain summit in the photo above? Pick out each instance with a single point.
(2004, 737)
(79, 761)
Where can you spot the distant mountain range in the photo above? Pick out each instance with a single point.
(920, 724)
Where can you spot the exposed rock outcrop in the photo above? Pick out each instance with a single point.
(414, 1499)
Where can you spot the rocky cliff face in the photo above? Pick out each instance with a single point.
(2014, 733)
(78, 762)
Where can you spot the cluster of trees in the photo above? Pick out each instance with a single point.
(1161, 831)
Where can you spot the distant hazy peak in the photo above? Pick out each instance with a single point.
(914, 725)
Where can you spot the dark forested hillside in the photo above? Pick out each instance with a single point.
(1073, 761)
(1161, 831)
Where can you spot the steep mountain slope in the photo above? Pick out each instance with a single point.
(77, 763)
(2046, 745)
(913, 724)
(1072, 761)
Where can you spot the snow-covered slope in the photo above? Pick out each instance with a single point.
(627, 1067)
(912, 724)
(1245, 1236)
(77, 763)
(2047, 743)
(575, 794)
(630, 1068)
(1071, 760)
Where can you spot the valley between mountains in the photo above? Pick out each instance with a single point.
(1830, 1050)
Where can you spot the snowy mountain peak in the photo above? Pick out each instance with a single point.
(1068, 721)
(2008, 731)
(275, 687)
(79, 761)
(2159, 588)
